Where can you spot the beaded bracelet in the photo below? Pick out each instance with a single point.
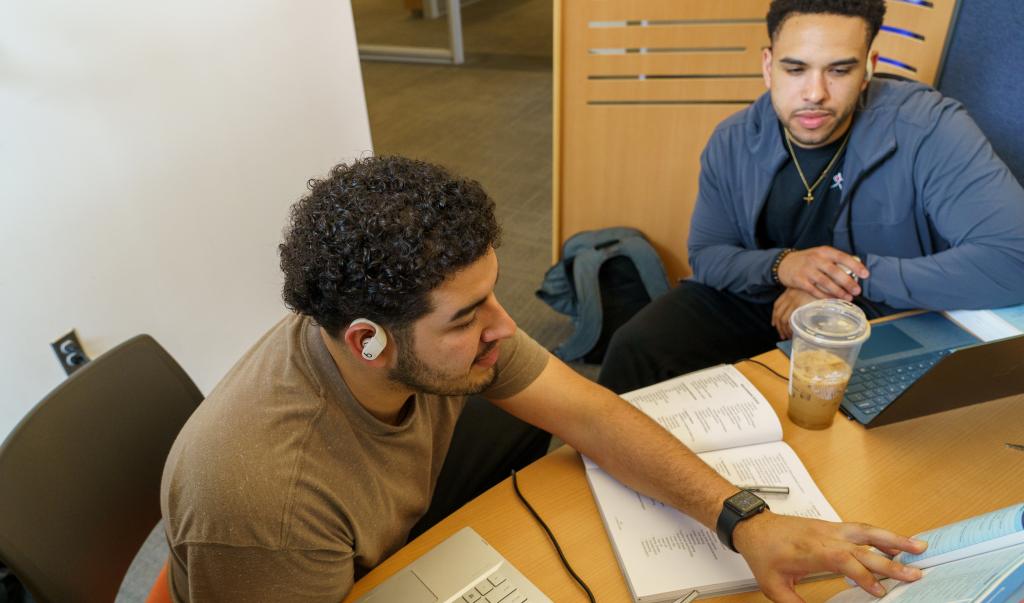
(778, 261)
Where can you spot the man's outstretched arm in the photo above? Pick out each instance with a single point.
(641, 454)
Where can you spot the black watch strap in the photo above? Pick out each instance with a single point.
(738, 507)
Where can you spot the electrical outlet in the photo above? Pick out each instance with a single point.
(69, 352)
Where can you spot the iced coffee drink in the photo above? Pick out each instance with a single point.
(817, 385)
(827, 336)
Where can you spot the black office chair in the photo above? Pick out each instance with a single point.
(81, 473)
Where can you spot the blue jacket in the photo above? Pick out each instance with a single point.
(935, 215)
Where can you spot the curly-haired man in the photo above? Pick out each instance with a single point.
(832, 184)
(331, 441)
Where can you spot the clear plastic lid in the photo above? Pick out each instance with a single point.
(831, 322)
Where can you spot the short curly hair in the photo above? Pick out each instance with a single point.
(872, 11)
(376, 236)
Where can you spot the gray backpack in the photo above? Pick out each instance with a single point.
(604, 278)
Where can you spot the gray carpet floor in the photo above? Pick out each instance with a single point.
(489, 120)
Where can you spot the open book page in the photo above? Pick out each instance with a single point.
(987, 578)
(995, 530)
(710, 409)
(663, 552)
(990, 325)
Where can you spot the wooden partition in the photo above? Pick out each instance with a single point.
(641, 84)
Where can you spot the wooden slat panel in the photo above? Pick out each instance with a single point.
(932, 23)
(636, 166)
(710, 63)
(619, 10)
(674, 36)
(913, 52)
(557, 116)
(667, 90)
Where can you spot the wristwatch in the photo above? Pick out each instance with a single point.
(742, 505)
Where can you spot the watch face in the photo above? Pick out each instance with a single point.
(745, 502)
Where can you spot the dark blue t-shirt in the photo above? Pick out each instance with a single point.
(787, 219)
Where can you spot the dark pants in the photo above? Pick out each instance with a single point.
(689, 328)
(487, 445)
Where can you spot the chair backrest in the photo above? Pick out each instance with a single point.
(982, 70)
(81, 473)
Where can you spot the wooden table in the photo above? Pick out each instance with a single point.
(907, 477)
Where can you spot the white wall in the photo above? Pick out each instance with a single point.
(149, 152)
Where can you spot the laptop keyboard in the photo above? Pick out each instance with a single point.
(494, 589)
(872, 388)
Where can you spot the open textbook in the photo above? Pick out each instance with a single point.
(718, 413)
(977, 560)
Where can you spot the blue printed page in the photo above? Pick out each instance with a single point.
(987, 532)
(1013, 315)
(987, 578)
(966, 581)
(990, 325)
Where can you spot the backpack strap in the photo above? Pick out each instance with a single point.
(648, 264)
(588, 317)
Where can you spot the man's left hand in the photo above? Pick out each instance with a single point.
(785, 304)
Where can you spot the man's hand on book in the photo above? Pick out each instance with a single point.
(781, 550)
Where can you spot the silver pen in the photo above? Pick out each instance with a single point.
(764, 489)
(688, 598)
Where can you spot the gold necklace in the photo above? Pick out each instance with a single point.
(810, 187)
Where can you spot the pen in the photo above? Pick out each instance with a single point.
(687, 598)
(1015, 446)
(765, 489)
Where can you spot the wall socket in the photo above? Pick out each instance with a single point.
(69, 352)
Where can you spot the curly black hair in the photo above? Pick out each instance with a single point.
(376, 236)
(872, 11)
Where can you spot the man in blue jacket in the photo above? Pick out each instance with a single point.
(831, 185)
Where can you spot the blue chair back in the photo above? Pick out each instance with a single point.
(983, 70)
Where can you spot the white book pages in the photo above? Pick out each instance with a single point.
(664, 553)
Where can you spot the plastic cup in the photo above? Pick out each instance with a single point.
(827, 336)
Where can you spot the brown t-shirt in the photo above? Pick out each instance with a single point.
(281, 487)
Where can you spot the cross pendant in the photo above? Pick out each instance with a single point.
(809, 197)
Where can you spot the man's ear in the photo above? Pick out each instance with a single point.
(870, 66)
(365, 340)
(766, 66)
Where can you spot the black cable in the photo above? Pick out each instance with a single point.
(565, 562)
(777, 373)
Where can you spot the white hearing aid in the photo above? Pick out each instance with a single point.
(869, 71)
(374, 345)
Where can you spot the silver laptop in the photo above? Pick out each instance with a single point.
(462, 569)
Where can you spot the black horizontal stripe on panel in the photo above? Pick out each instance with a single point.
(637, 23)
(899, 31)
(672, 102)
(898, 63)
(621, 51)
(924, 3)
(678, 76)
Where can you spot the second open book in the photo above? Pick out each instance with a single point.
(719, 414)
(979, 559)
